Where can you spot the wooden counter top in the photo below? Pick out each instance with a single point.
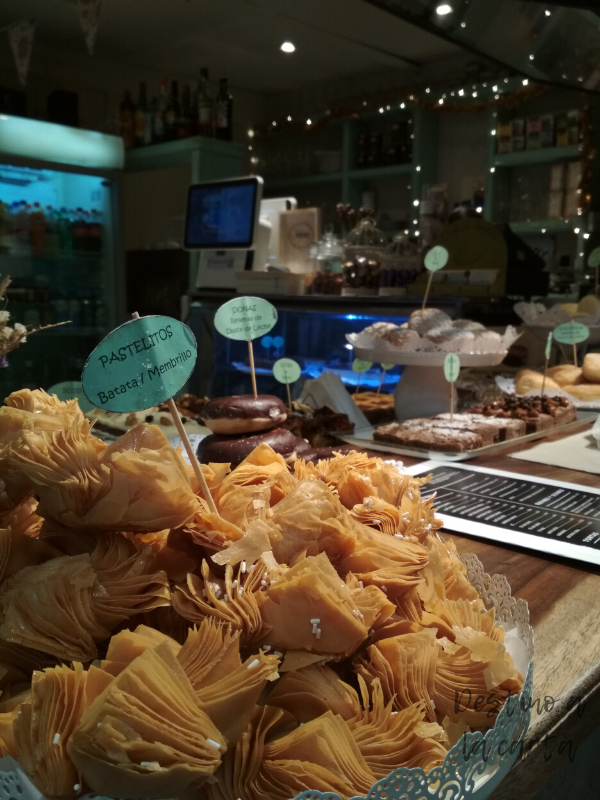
(564, 604)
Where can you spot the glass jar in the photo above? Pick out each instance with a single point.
(328, 255)
(400, 266)
(365, 249)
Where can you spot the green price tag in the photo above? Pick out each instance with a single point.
(451, 367)
(387, 366)
(286, 370)
(594, 257)
(71, 390)
(571, 333)
(358, 365)
(436, 258)
(549, 347)
(140, 364)
(246, 318)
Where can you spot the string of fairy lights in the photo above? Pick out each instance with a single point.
(501, 93)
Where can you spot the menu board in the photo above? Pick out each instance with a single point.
(550, 516)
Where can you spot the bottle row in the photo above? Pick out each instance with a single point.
(35, 306)
(31, 228)
(384, 148)
(168, 116)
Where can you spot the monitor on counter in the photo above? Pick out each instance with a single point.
(223, 215)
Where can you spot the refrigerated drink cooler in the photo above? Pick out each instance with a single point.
(58, 243)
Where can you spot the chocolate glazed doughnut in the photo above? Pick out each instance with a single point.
(234, 449)
(243, 413)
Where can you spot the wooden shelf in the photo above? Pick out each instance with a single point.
(550, 226)
(305, 180)
(373, 173)
(545, 155)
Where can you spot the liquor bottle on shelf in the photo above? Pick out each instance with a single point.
(65, 231)
(159, 111)
(205, 106)
(37, 230)
(52, 239)
(172, 112)
(184, 118)
(224, 112)
(141, 118)
(95, 232)
(127, 120)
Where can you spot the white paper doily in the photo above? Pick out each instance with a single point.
(423, 358)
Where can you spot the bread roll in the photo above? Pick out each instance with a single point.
(566, 375)
(591, 367)
(527, 379)
(589, 305)
(585, 391)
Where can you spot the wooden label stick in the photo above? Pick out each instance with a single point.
(451, 373)
(192, 456)
(252, 370)
(384, 369)
(427, 290)
(575, 355)
(547, 354)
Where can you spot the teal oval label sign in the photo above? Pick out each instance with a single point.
(286, 370)
(71, 390)
(451, 367)
(571, 333)
(436, 258)
(594, 257)
(358, 365)
(140, 364)
(387, 366)
(246, 318)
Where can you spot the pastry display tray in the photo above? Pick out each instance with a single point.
(364, 439)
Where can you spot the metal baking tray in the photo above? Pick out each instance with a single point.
(364, 438)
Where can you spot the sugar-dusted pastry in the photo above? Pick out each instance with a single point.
(386, 737)
(326, 619)
(138, 483)
(146, 734)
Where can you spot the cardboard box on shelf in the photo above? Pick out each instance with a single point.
(555, 204)
(518, 135)
(298, 230)
(574, 126)
(562, 130)
(534, 131)
(547, 130)
(504, 137)
(571, 206)
(557, 178)
(573, 175)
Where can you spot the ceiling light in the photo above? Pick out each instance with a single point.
(586, 236)
(495, 88)
(443, 9)
(461, 92)
(250, 133)
(418, 169)
(492, 169)
(309, 121)
(402, 105)
(543, 230)
(415, 202)
(576, 230)
(463, 24)
(531, 56)
(428, 90)
(441, 101)
(525, 81)
(548, 12)
(479, 209)
(381, 110)
(415, 221)
(287, 47)
(289, 119)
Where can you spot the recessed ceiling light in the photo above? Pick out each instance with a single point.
(288, 47)
(443, 9)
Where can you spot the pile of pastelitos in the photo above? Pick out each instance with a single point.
(311, 635)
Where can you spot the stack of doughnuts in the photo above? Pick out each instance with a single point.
(240, 423)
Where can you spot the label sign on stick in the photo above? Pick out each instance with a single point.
(594, 257)
(246, 318)
(451, 367)
(71, 390)
(549, 347)
(387, 367)
(140, 364)
(436, 258)
(286, 370)
(358, 365)
(571, 333)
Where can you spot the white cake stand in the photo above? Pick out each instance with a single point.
(423, 391)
